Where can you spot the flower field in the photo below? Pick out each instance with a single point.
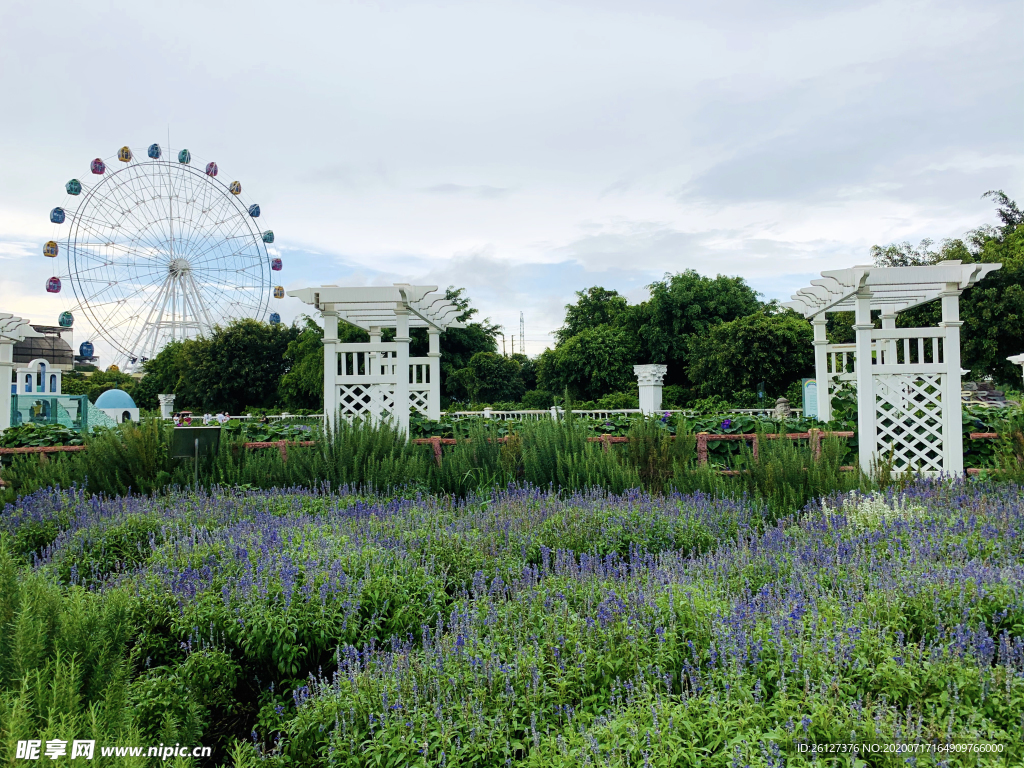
(517, 628)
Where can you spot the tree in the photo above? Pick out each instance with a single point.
(527, 370)
(235, 366)
(682, 305)
(592, 363)
(769, 346)
(74, 383)
(594, 306)
(161, 376)
(492, 378)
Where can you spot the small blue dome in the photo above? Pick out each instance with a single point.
(115, 398)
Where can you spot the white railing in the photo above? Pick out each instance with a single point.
(557, 412)
(897, 349)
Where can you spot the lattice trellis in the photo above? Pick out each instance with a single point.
(908, 419)
(419, 399)
(365, 399)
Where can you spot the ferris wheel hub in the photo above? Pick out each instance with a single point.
(179, 267)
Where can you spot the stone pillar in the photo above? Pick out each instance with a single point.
(434, 394)
(650, 378)
(401, 412)
(863, 326)
(6, 371)
(330, 367)
(821, 374)
(952, 409)
(166, 406)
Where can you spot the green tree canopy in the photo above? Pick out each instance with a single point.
(767, 346)
(590, 364)
(594, 306)
(492, 378)
(237, 365)
(75, 383)
(684, 305)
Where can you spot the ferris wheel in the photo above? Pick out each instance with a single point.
(159, 249)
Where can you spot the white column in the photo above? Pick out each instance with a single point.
(402, 369)
(952, 428)
(166, 406)
(434, 394)
(373, 359)
(821, 375)
(889, 324)
(866, 436)
(330, 319)
(650, 378)
(6, 371)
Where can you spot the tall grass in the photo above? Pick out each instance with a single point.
(366, 456)
(65, 661)
(557, 454)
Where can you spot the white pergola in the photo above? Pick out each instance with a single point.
(909, 395)
(1018, 360)
(12, 330)
(380, 379)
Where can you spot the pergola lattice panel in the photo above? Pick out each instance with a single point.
(909, 418)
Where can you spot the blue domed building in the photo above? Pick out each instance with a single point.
(118, 405)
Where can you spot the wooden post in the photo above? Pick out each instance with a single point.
(815, 438)
(702, 447)
(435, 442)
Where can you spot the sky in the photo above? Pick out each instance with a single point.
(527, 150)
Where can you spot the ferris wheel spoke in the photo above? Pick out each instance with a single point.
(197, 223)
(96, 228)
(124, 205)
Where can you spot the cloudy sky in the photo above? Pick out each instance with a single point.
(526, 150)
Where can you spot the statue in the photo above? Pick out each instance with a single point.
(782, 409)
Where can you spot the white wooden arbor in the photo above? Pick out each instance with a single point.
(12, 330)
(909, 396)
(379, 378)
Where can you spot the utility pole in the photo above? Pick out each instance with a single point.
(522, 333)
(513, 343)
(503, 346)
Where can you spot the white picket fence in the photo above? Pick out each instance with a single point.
(555, 412)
